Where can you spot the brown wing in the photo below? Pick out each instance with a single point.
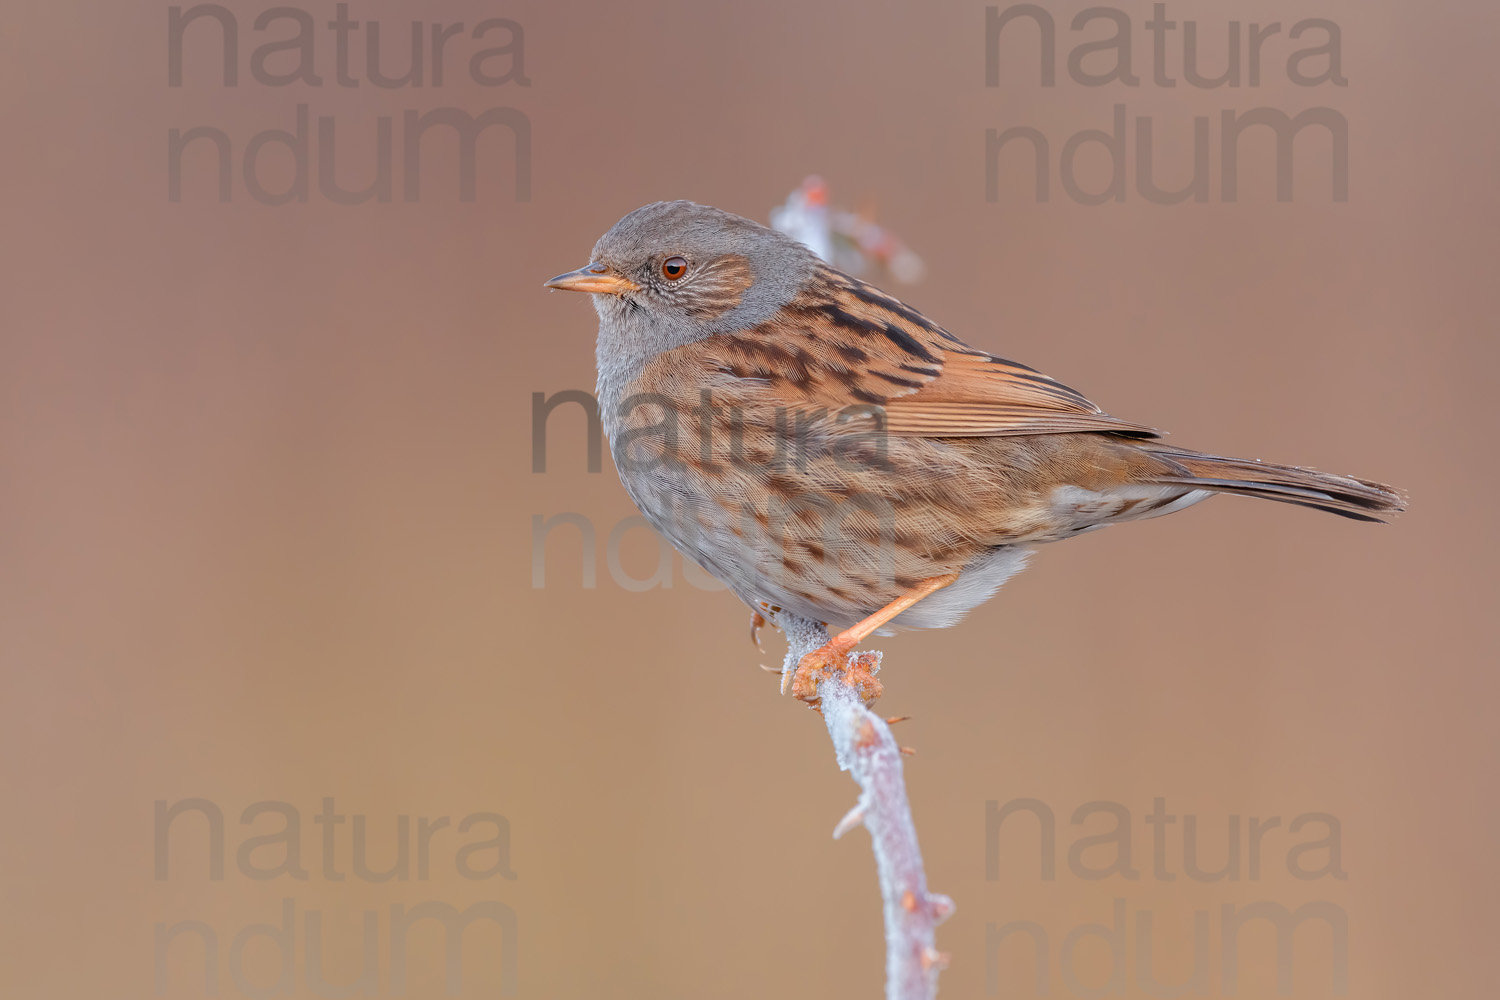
(977, 395)
(843, 340)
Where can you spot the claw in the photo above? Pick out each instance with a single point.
(757, 622)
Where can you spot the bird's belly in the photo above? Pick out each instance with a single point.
(820, 536)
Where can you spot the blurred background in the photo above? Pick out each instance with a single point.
(269, 509)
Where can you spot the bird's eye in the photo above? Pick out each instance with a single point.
(673, 268)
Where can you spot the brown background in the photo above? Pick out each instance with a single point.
(268, 504)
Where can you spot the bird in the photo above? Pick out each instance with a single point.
(828, 452)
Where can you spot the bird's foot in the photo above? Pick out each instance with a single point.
(858, 671)
(835, 658)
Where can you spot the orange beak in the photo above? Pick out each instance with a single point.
(596, 278)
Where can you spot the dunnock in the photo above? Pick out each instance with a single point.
(828, 451)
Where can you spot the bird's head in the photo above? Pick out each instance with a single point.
(674, 272)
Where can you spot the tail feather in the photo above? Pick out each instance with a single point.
(1346, 496)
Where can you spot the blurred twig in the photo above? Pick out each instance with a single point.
(853, 242)
(865, 748)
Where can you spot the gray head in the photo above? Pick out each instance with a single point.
(675, 272)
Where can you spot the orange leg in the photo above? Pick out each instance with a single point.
(833, 656)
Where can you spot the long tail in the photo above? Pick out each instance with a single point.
(1343, 495)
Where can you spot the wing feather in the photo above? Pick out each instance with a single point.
(954, 390)
(842, 342)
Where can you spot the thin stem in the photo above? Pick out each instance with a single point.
(866, 749)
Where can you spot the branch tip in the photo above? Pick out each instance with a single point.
(854, 817)
(941, 906)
